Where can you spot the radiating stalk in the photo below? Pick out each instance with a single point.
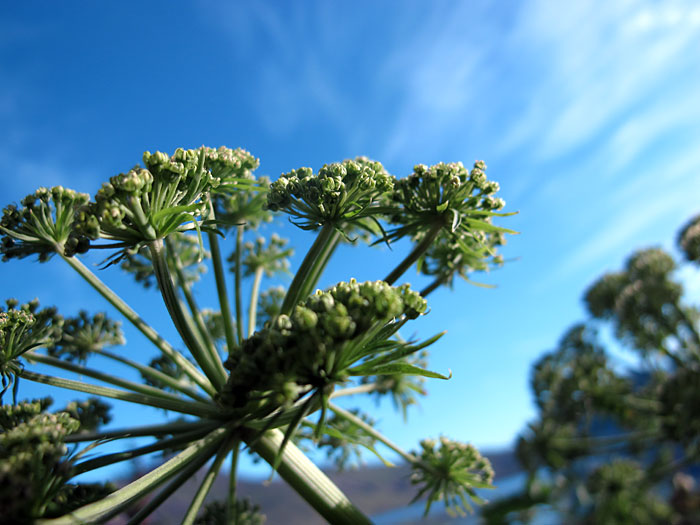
(238, 283)
(165, 283)
(224, 305)
(309, 481)
(175, 427)
(139, 323)
(304, 273)
(231, 500)
(372, 432)
(100, 376)
(115, 502)
(156, 375)
(178, 405)
(253, 309)
(116, 457)
(206, 484)
(320, 264)
(415, 254)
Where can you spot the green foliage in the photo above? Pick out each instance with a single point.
(249, 375)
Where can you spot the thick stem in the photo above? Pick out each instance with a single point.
(253, 309)
(177, 427)
(165, 283)
(303, 275)
(415, 254)
(224, 305)
(372, 432)
(308, 481)
(231, 500)
(139, 323)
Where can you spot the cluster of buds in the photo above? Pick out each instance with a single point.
(83, 335)
(91, 413)
(32, 460)
(643, 301)
(229, 166)
(23, 329)
(450, 471)
(620, 495)
(340, 193)
(42, 225)
(689, 240)
(271, 257)
(246, 513)
(311, 348)
(444, 192)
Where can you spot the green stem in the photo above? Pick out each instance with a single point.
(195, 313)
(359, 389)
(206, 484)
(176, 427)
(178, 405)
(308, 481)
(253, 309)
(165, 283)
(139, 323)
(100, 376)
(415, 254)
(156, 375)
(320, 264)
(303, 275)
(231, 506)
(221, 291)
(114, 503)
(372, 432)
(238, 283)
(116, 457)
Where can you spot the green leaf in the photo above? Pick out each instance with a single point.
(403, 368)
(486, 227)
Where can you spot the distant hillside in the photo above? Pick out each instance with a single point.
(372, 489)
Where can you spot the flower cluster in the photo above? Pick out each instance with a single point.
(271, 257)
(83, 335)
(315, 345)
(32, 459)
(450, 471)
(245, 511)
(689, 240)
(444, 194)
(23, 329)
(342, 192)
(42, 225)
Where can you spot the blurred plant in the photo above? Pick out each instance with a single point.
(610, 445)
(246, 377)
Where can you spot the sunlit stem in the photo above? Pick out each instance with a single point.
(238, 282)
(220, 278)
(353, 390)
(177, 405)
(372, 432)
(165, 283)
(304, 273)
(253, 309)
(309, 481)
(192, 305)
(123, 308)
(415, 254)
(320, 264)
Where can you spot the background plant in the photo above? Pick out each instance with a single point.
(260, 374)
(616, 445)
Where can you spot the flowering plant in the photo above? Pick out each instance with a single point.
(260, 375)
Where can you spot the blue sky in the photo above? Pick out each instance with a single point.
(586, 113)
